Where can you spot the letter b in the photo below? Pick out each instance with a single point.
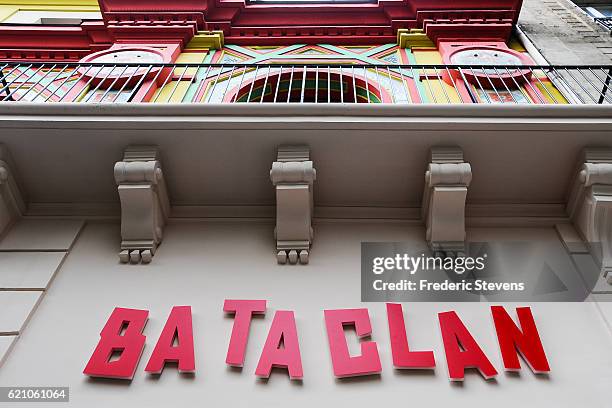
(122, 333)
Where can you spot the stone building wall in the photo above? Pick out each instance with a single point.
(564, 34)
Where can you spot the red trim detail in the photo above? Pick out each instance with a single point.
(149, 85)
(153, 27)
(520, 76)
(118, 77)
(448, 49)
(45, 43)
(177, 21)
(284, 24)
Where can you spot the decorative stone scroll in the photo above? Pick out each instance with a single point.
(590, 205)
(293, 175)
(144, 203)
(12, 206)
(446, 184)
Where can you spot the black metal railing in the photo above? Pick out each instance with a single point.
(299, 83)
(605, 22)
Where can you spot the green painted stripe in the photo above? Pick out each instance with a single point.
(379, 49)
(422, 95)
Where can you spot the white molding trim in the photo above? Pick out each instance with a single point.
(12, 205)
(144, 203)
(446, 185)
(477, 215)
(304, 116)
(590, 204)
(293, 175)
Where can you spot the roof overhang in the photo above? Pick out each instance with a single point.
(371, 161)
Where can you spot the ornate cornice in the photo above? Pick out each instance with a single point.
(207, 39)
(245, 23)
(348, 23)
(466, 24)
(413, 38)
(42, 43)
(44, 3)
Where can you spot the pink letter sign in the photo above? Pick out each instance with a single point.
(461, 349)
(178, 327)
(282, 348)
(513, 341)
(402, 356)
(345, 365)
(244, 310)
(121, 333)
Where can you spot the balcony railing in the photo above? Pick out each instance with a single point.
(605, 22)
(347, 84)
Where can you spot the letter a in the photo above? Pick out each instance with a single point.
(178, 327)
(282, 348)
(461, 349)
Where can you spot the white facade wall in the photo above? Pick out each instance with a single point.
(201, 263)
(219, 245)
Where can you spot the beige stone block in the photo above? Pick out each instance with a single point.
(41, 235)
(6, 343)
(28, 270)
(17, 307)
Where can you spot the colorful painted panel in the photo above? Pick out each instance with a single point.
(36, 84)
(297, 74)
(297, 84)
(339, 74)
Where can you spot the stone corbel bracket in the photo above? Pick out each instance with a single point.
(446, 185)
(293, 176)
(144, 203)
(590, 205)
(12, 205)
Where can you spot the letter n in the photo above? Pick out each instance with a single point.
(524, 341)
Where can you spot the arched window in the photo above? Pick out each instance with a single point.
(316, 86)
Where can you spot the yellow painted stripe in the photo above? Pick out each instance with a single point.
(191, 57)
(7, 11)
(548, 86)
(441, 90)
(163, 95)
(427, 57)
(516, 45)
